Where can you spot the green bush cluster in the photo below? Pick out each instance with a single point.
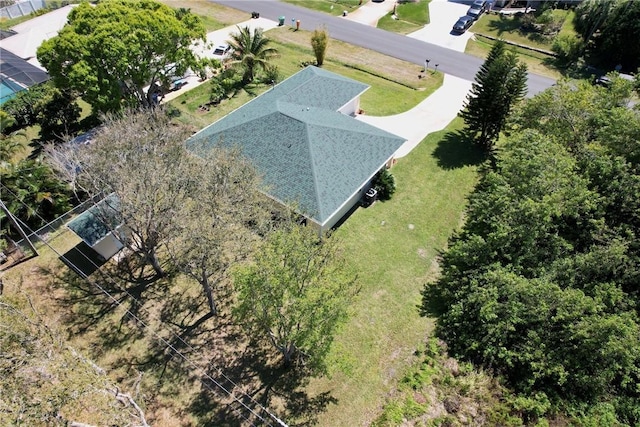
(385, 184)
(541, 283)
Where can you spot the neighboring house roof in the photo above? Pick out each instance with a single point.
(97, 222)
(31, 33)
(16, 74)
(308, 153)
(19, 70)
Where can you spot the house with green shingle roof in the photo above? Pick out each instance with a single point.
(303, 138)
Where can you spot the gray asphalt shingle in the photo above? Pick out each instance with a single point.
(308, 153)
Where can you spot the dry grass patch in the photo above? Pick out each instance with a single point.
(214, 16)
(377, 63)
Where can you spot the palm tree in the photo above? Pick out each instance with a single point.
(250, 50)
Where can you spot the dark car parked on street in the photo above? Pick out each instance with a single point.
(463, 24)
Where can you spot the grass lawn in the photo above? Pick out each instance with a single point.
(536, 62)
(394, 245)
(333, 7)
(389, 79)
(567, 26)
(6, 23)
(411, 17)
(508, 28)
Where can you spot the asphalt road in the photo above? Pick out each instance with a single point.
(398, 46)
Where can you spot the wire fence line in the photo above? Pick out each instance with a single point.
(44, 233)
(244, 405)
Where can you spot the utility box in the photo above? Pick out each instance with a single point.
(369, 197)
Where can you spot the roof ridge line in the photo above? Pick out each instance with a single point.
(314, 175)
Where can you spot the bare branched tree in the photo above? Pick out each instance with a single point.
(44, 381)
(139, 158)
(193, 211)
(218, 228)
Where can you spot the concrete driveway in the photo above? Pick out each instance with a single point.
(370, 12)
(221, 36)
(205, 50)
(431, 115)
(443, 15)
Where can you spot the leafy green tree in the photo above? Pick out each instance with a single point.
(296, 294)
(319, 43)
(545, 338)
(54, 110)
(9, 142)
(57, 113)
(21, 107)
(590, 16)
(568, 47)
(499, 84)
(110, 52)
(606, 28)
(577, 113)
(250, 51)
(541, 283)
(33, 193)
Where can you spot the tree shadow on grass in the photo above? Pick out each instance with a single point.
(456, 150)
(91, 303)
(100, 297)
(506, 24)
(257, 382)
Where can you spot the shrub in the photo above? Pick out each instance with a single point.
(385, 184)
(319, 41)
(568, 48)
(272, 74)
(223, 84)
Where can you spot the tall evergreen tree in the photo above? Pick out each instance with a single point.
(499, 84)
